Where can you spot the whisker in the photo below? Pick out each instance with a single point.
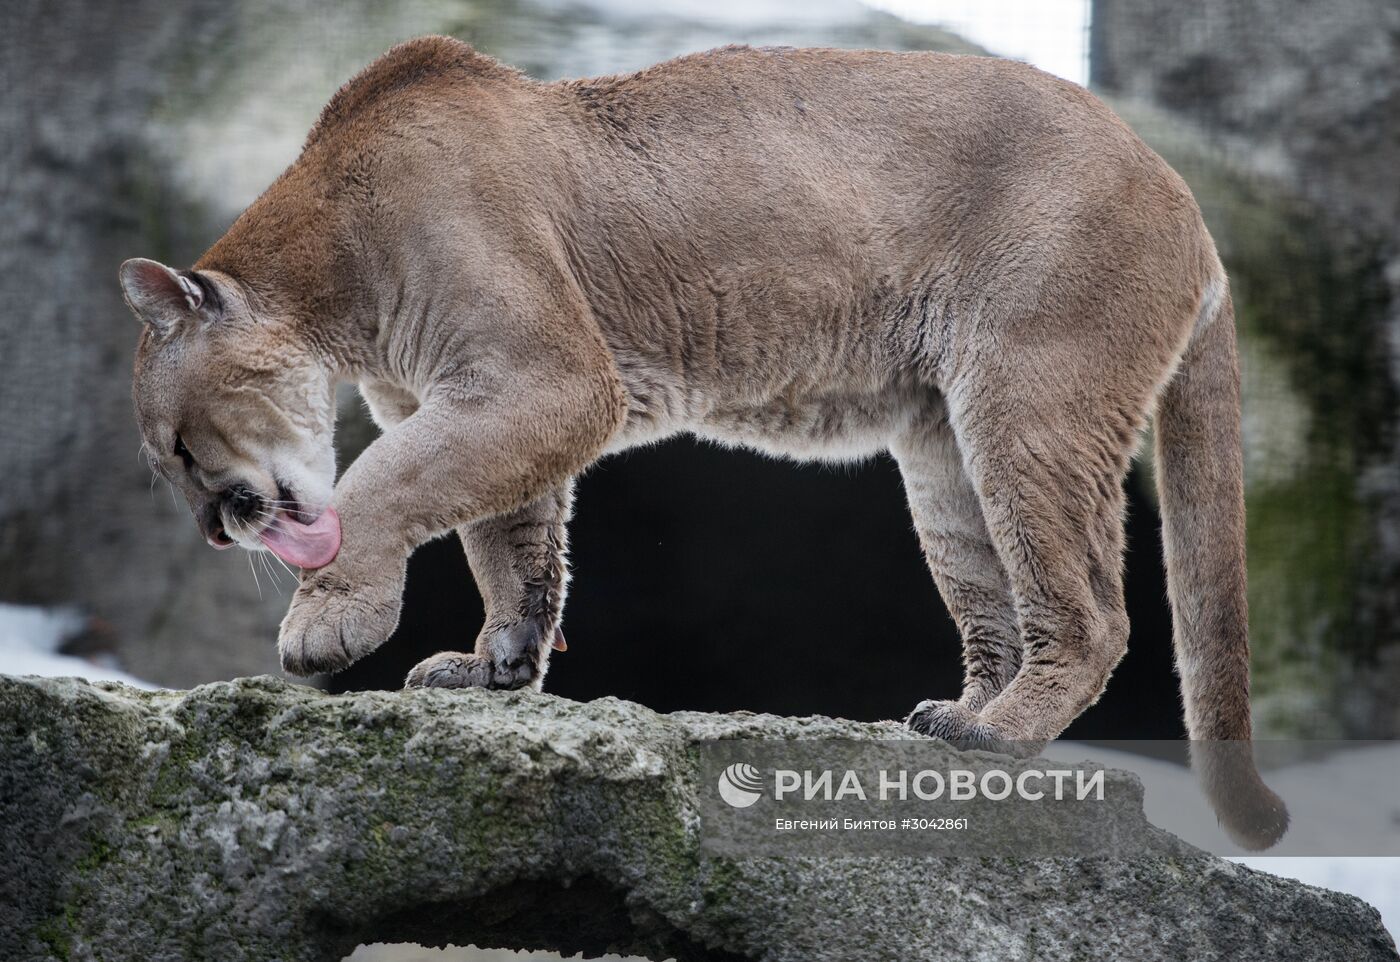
(285, 566)
(291, 572)
(262, 563)
(255, 574)
(286, 505)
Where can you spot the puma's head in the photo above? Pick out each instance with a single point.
(235, 410)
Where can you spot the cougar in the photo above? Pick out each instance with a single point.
(827, 254)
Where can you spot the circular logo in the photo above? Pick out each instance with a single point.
(741, 785)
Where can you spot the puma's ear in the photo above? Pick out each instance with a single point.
(159, 296)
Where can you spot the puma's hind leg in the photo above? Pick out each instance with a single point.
(964, 563)
(519, 562)
(1046, 436)
(1049, 477)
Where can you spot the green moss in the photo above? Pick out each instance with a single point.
(724, 886)
(99, 855)
(57, 933)
(172, 779)
(1311, 531)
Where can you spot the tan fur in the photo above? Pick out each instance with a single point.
(818, 253)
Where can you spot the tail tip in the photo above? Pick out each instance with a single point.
(1254, 820)
(1252, 815)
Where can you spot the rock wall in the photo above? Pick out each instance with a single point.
(84, 187)
(1306, 91)
(254, 820)
(1304, 99)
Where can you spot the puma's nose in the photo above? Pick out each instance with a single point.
(211, 525)
(240, 502)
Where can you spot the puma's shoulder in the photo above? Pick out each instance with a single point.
(415, 65)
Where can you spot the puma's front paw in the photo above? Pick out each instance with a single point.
(514, 657)
(959, 726)
(450, 669)
(455, 669)
(334, 621)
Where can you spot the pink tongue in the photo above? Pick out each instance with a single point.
(311, 545)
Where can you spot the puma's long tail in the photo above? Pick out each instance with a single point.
(1200, 480)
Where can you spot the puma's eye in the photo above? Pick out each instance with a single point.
(182, 452)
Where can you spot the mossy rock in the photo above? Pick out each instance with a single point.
(256, 820)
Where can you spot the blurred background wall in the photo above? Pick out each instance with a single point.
(709, 579)
(1297, 105)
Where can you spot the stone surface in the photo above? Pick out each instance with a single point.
(257, 820)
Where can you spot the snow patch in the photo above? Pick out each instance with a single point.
(30, 637)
